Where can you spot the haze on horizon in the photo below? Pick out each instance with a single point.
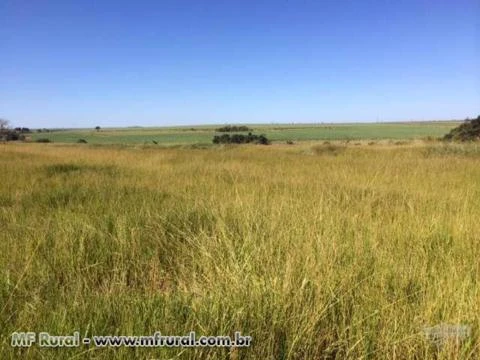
(178, 62)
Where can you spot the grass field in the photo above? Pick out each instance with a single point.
(317, 251)
(276, 133)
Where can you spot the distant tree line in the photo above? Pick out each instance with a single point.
(23, 130)
(234, 128)
(240, 139)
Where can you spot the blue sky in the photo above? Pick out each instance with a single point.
(154, 63)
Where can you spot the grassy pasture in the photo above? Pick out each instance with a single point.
(204, 134)
(316, 251)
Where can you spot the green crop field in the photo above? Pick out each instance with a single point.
(276, 133)
(316, 251)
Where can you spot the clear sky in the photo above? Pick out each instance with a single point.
(82, 63)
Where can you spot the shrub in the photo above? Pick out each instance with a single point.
(240, 139)
(82, 141)
(12, 136)
(262, 140)
(43, 140)
(230, 128)
(468, 131)
(221, 139)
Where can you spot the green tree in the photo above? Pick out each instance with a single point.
(3, 125)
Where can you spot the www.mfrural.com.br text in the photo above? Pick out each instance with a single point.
(47, 340)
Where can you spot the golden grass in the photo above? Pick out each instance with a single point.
(317, 251)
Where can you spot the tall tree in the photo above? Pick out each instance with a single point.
(3, 124)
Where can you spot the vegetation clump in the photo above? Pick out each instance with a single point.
(241, 139)
(12, 135)
(467, 131)
(9, 134)
(234, 128)
(23, 130)
(328, 149)
(43, 140)
(82, 141)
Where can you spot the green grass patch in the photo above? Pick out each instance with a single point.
(278, 133)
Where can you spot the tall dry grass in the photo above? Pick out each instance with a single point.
(315, 253)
